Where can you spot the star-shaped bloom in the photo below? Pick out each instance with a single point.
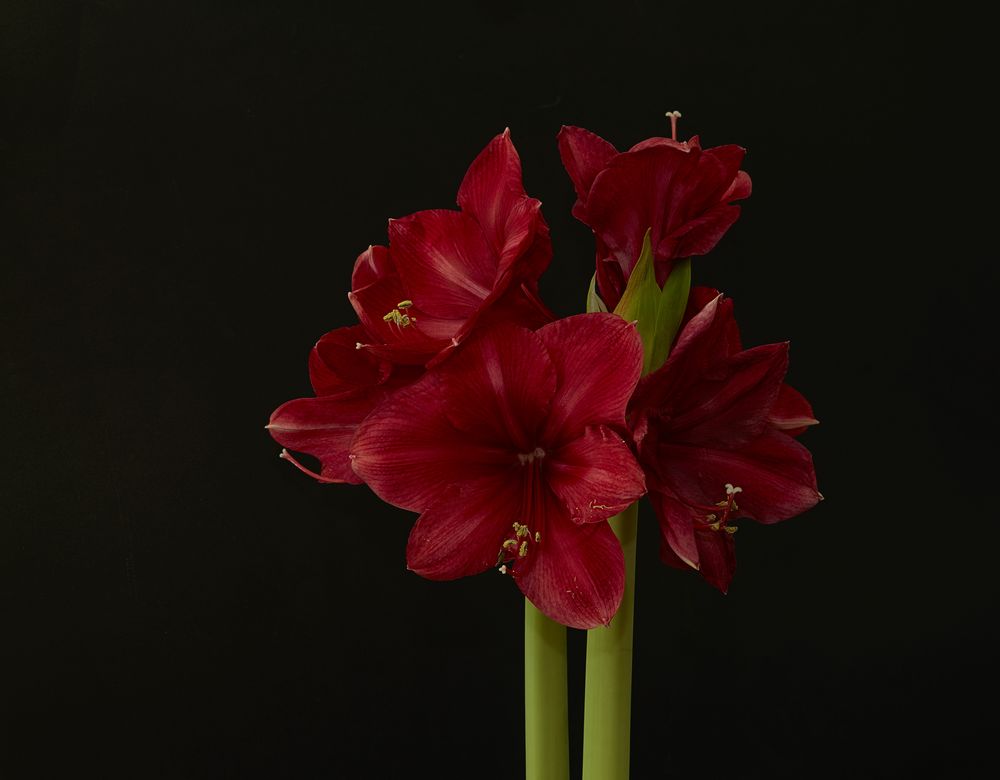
(715, 430)
(511, 454)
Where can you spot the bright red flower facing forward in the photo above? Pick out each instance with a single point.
(444, 271)
(510, 453)
(683, 193)
(715, 428)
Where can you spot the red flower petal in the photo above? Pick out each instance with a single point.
(372, 264)
(598, 359)
(492, 192)
(676, 522)
(415, 343)
(584, 155)
(728, 406)
(685, 545)
(791, 413)
(337, 366)
(775, 472)
(699, 236)
(409, 453)
(462, 533)
(444, 261)
(322, 427)
(576, 574)
(500, 387)
(595, 476)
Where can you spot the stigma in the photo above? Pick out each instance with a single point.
(674, 116)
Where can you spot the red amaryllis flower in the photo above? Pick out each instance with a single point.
(348, 383)
(445, 270)
(679, 191)
(509, 452)
(715, 428)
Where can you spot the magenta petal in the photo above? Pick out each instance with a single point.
(463, 532)
(775, 472)
(598, 359)
(595, 476)
(576, 574)
(500, 387)
(323, 428)
(444, 261)
(409, 453)
(791, 413)
(584, 154)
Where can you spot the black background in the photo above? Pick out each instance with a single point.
(185, 188)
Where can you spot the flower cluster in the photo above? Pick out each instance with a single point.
(516, 435)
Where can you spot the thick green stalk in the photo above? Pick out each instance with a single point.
(546, 712)
(607, 707)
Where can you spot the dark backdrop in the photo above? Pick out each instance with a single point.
(185, 188)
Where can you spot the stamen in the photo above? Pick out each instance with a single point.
(529, 457)
(397, 316)
(724, 508)
(674, 116)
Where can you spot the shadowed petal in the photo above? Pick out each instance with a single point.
(775, 472)
(337, 366)
(791, 413)
(595, 476)
(676, 529)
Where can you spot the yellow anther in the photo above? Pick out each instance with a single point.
(524, 549)
(404, 304)
(510, 544)
(538, 537)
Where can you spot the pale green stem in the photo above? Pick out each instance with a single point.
(546, 712)
(607, 707)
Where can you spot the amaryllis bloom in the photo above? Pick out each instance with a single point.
(445, 273)
(676, 189)
(715, 428)
(348, 383)
(445, 270)
(510, 453)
